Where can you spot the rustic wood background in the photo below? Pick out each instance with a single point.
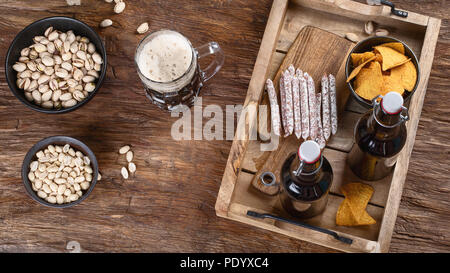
(168, 205)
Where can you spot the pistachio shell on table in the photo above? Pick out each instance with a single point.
(106, 23)
(381, 32)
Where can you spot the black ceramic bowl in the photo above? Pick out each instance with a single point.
(58, 140)
(25, 39)
(367, 45)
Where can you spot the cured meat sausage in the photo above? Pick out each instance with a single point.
(297, 112)
(291, 69)
(320, 139)
(287, 105)
(333, 107)
(313, 126)
(274, 108)
(283, 101)
(304, 104)
(326, 108)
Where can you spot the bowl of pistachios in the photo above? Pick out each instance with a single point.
(59, 171)
(56, 64)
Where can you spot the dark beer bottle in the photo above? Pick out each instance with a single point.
(305, 181)
(379, 136)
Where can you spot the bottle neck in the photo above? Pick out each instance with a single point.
(306, 171)
(384, 120)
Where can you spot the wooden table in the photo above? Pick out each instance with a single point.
(168, 205)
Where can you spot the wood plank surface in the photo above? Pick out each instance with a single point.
(168, 205)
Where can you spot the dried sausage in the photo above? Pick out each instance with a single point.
(326, 108)
(297, 112)
(333, 107)
(291, 69)
(304, 105)
(320, 139)
(274, 108)
(283, 101)
(313, 127)
(287, 106)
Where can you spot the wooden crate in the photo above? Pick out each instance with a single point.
(286, 19)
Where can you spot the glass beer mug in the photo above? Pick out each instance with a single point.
(167, 64)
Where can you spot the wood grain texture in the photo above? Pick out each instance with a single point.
(169, 204)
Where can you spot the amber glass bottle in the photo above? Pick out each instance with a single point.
(306, 179)
(379, 136)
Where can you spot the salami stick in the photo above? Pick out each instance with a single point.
(326, 108)
(291, 69)
(283, 101)
(297, 112)
(333, 107)
(286, 103)
(304, 105)
(313, 127)
(320, 139)
(289, 104)
(274, 108)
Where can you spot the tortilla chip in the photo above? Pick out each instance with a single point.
(379, 58)
(345, 216)
(366, 219)
(395, 45)
(392, 82)
(352, 211)
(357, 69)
(358, 195)
(359, 58)
(369, 81)
(408, 74)
(391, 57)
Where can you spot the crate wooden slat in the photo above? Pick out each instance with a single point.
(286, 19)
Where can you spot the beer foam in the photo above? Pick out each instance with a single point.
(165, 57)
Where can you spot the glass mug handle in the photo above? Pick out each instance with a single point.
(211, 48)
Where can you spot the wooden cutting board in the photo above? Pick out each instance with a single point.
(317, 52)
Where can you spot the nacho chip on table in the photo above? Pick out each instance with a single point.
(352, 211)
(358, 196)
(345, 216)
(369, 81)
(391, 57)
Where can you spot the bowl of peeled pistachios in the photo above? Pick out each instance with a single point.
(56, 64)
(59, 171)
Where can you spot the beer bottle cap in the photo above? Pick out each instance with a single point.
(392, 103)
(309, 151)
